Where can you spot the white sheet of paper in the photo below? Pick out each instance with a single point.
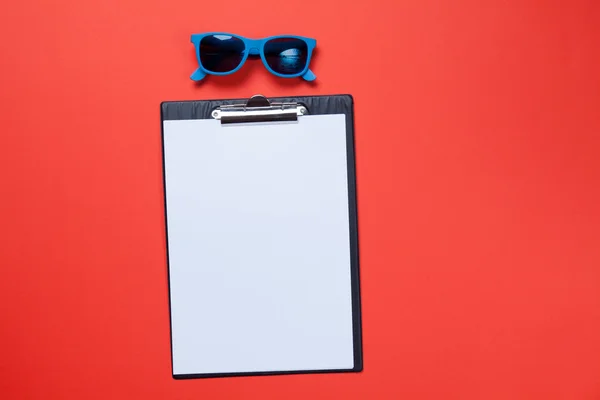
(259, 245)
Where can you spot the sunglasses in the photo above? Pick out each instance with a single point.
(223, 54)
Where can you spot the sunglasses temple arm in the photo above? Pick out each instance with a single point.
(309, 76)
(198, 75)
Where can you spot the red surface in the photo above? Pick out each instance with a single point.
(479, 192)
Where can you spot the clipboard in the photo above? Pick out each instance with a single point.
(262, 236)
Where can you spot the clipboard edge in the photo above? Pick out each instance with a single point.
(266, 373)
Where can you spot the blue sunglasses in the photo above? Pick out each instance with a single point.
(223, 54)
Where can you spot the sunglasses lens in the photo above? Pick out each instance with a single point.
(221, 53)
(286, 56)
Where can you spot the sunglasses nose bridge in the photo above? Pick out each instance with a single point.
(253, 51)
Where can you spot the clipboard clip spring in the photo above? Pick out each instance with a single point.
(258, 109)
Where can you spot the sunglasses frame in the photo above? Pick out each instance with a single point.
(253, 47)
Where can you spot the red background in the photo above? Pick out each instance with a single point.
(477, 137)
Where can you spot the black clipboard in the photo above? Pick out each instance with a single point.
(259, 109)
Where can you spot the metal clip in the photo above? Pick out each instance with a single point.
(258, 109)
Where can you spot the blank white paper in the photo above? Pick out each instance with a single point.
(259, 245)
